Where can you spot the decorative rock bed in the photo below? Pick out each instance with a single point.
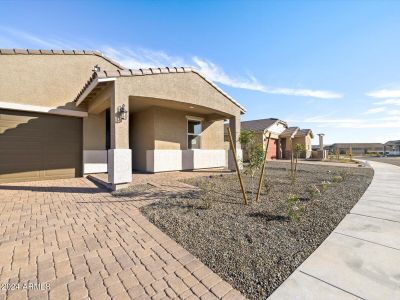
(256, 247)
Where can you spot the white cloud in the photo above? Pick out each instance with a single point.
(393, 101)
(395, 112)
(144, 58)
(216, 74)
(325, 121)
(303, 92)
(384, 93)
(374, 110)
(21, 39)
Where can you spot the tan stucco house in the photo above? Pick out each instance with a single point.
(262, 129)
(282, 137)
(69, 113)
(294, 135)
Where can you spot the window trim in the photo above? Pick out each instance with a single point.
(195, 119)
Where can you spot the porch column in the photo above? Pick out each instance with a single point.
(234, 125)
(119, 156)
(321, 141)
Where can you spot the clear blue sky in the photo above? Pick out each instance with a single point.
(332, 66)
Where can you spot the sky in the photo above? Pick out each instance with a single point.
(332, 66)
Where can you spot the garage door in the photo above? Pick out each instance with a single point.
(272, 149)
(39, 146)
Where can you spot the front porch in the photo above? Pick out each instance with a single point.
(171, 121)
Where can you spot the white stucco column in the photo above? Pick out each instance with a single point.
(234, 125)
(321, 141)
(119, 156)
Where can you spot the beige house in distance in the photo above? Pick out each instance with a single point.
(282, 137)
(294, 135)
(69, 113)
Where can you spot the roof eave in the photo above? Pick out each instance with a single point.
(91, 87)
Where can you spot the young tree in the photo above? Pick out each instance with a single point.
(350, 153)
(296, 152)
(255, 154)
(247, 139)
(256, 159)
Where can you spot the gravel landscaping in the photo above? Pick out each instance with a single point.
(256, 247)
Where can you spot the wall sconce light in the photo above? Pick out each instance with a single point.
(123, 113)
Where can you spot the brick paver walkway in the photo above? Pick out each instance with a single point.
(86, 244)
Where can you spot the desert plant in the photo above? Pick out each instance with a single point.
(267, 186)
(255, 154)
(325, 185)
(350, 153)
(296, 152)
(337, 179)
(313, 192)
(344, 174)
(295, 209)
(256, 159)
(247, 139)
(337, 153)
(207, 194)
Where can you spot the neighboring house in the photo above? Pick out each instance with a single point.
(282, 137)
(392, 147)
(262, 129)
(356, 148)
(294, 135)
(69, 113)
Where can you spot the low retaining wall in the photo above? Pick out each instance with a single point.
(177, 160)
(94, 161)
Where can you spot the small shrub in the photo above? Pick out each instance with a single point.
(295, 209)
(325, 185)
(267, 187)
(207, 194)
(337, 179)
(344, 174)
(313, 192)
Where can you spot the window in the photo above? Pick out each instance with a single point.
(194, 134)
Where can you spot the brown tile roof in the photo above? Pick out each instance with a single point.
(289, 132)
(149, 71)
(256, 125)
(356, 145)
(304, 132)
(392, 143)
(57, 52)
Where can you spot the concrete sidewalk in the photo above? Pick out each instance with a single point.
(360, 259)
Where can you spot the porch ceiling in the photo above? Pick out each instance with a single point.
(137, 104)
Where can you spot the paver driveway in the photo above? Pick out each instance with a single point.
(87, 244)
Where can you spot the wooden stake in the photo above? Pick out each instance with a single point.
(291, 157)
(263, 168)
(237, 166)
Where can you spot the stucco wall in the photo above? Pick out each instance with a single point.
(166, 129)
(183, 87)
(213, 135)
(170, 129)
(94, 132)
(141, 137)
(46, 80)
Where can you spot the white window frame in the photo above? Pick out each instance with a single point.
(196, 119)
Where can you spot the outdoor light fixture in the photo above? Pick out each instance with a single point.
(123, 113)
(96, 68)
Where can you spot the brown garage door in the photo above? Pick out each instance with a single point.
(39, 146)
